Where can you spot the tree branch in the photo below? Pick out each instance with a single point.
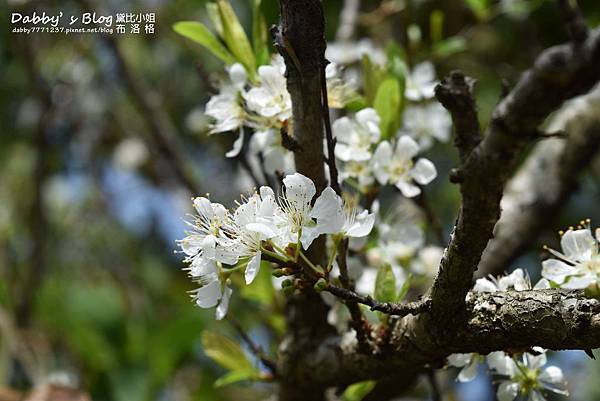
(559, 73)
(389, 308)
(455, 93)
(535, 195)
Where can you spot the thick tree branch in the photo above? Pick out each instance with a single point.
(300, 39)
(553, 319)
(455, 93)
(535, 195)
(559, 73)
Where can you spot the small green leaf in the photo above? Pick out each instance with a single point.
(479, 7)
(450, 46)
(236, 376)
(358, 391)
(385, 284)
(404, 289)
(200, 34)
(373, 75)
(235, 37)
(259, 34)
(387, 104)
(225, 352)
(212, 10)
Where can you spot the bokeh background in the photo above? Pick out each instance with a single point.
(103, 142)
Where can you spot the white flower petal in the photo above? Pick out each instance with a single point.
(328, 210)
(409, 190)
(507, 391)
(423, 172)
(381, 159)
(578, 244)
(224, 304)
(299, 190)
(459, 360)
(552, 375)
(406, 148)
(208, 295)
(469, 372)
(237, 146)
(252, 268)
(363, 225)
(484, 285)
(557, 270)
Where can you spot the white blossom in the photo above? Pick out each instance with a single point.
(469, 364)
(526, 376)
(420, 82)
(356, 136)
(226, 107)
(396, 166)
(270, 99)
(424, 123)
(296, 208)
(335, 217)
(578, 266)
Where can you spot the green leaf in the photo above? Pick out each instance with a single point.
(212, 10)
(261, 290)
(404, 289)
(387, 104)
(225, 351)
(479, 7)
(357, 391)
(236, 376)
(450, 46)
(235, 37)
(385, 284)
(373, 75)
(259, 34)
(199, 33)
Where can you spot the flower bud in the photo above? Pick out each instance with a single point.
(320, 285)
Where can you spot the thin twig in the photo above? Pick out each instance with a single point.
(331, 141)
(255, 348)
(393, 309)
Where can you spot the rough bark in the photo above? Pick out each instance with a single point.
(299, 38)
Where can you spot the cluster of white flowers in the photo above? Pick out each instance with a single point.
(526, 375)
(221, 241)
(578, 266)
(266, 107)
(422, 119)
(365, 158)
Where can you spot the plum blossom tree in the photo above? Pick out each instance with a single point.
(367, 299)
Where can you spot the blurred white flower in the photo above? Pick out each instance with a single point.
(344, 53)
(335, 217)
(469, 364)
(226, 107)
(526, 376)
(270, 99)
(130, 153)
(425, 123)
(356, 136)
(420, 82)
(396, 166)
